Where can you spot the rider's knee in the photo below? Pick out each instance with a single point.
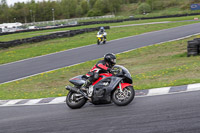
(96, 76)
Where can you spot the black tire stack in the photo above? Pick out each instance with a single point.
(193, 47)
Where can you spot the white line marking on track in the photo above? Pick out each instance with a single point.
(39, 73)
(58, 100)
(158, 91)
(12, 102)
(162, 42)
(168, 93)
(193, 87)
(61, 100)
(32, 101)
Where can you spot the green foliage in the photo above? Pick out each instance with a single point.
(115, 5)
(94, 12)
(99, 5)
(84, 6)
(158, 5)
(79, 11)
(144, 8)
(63, 9)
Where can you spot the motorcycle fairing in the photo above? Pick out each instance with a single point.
(103, 88)
(78, 80)
(108, 84)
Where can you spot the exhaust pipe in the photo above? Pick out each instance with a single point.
(73, 89)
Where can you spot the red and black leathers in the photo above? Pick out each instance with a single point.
(93, 74)
(100, 67)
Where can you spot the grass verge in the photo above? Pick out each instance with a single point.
(51, 46)
(159, 65)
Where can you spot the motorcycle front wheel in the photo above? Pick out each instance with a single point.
(75, 100)
(125, 97)
(98, 42)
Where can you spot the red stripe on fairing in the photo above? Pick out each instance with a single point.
(102, 76)
(102, 66)
(97, 80)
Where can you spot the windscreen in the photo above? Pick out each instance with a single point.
(125, 72)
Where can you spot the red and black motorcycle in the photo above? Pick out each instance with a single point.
(113, 87)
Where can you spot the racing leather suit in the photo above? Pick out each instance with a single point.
(93, 74)
(102, 32)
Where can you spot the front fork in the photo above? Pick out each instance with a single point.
(120, 87)
(100, 38)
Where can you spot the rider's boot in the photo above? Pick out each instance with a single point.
(85, 86)
(104, 38)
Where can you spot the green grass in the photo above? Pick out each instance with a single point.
(183, 7)
(32, 50)
(159, 65)
(46, 32)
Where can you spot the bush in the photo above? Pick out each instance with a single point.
(171, 3)
(186, 5)
(94, 12)
(158, 5)
(144, 8)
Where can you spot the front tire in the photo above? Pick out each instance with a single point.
(125, 97)
(75, 100)
(98, 42)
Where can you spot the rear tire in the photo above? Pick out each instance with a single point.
(73, 102)
(122, 99)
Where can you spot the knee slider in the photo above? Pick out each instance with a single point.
(96, 76)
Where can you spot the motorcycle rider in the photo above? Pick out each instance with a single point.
(102, 31)
(102, 66)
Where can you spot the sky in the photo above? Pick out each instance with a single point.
(11, 2)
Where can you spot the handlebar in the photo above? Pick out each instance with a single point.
(115, 72)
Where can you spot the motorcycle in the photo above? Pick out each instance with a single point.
(111, 87)
(101, 39)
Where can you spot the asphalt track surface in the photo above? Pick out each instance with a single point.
(174, 113)
(21, 69)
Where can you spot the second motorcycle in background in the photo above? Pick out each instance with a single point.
(101, 36)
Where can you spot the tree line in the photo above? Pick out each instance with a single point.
(65, 9)
(61, 9)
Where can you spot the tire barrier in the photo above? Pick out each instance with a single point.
(102, 22)
(48, 37)
(193, 47)
(40, 29)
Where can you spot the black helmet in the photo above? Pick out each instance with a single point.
(110, 58)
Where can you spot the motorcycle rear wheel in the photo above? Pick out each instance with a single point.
(73, 102)
(124, 98)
